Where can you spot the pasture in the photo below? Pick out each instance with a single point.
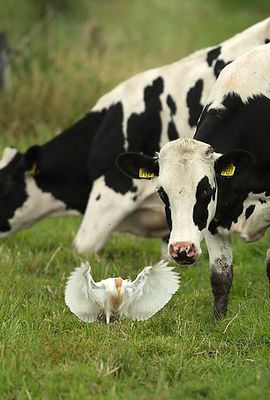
(47, 353)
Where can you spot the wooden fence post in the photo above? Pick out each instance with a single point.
(4, 61)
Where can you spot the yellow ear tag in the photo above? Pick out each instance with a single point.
(229, 171)
(33, 170)
(144, 174)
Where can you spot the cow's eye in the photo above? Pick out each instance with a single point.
(206, 193)
(162, 194)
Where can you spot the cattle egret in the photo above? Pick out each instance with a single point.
(139, 299)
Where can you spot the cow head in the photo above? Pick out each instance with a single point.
(21, 201)
(186, 171)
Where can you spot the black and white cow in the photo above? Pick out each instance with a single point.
(75, 171)
(221, 177)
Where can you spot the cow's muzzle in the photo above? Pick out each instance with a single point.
(183, 252)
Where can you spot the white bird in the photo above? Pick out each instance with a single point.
(139, 299)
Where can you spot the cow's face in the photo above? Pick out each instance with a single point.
(186, 172)
(186, 184)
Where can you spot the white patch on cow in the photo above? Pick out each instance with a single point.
(8, 154)
(38, 205)
(103, 216)
(148, 220)
(246, 40)
(239, 77)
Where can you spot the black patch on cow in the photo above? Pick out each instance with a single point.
(134, 198)
(214, 194)
(242, 126)
(172, 131)
(115, 180)
(267, 41)
(212, 228)
(171, 104)
(166, 239)
(193, 102)
(134, 189)
(229, 203)
(203, 198)
(165, 199)
(212, 55)
(108, 143)
(144, 129)
(249, 211)
(98, 197)
(63, 162)
(262, 201)
(219, 65)
(143, 135)
(13, 190)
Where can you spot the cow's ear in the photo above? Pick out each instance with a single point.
(31, 159)
(138, 166)
(233, 163)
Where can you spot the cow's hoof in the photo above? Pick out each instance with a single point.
(219, 314)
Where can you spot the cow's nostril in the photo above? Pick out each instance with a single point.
(183, 252)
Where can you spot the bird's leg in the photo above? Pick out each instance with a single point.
(107, 318)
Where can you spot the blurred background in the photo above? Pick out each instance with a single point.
(63, 54)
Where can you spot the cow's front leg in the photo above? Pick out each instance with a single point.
(105, 210)
(220, 256)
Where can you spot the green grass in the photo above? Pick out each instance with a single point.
(47, 353)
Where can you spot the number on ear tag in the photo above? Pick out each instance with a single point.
(229, 171)
(144, 174)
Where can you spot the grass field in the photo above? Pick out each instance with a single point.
(178, 354)
(45, 351)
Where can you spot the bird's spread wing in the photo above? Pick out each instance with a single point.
(83, 295)
(151, 290)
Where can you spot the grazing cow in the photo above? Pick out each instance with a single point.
(75, 173)
(207, 182)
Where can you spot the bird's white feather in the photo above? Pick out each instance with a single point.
(151, 291)
(83, 295)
